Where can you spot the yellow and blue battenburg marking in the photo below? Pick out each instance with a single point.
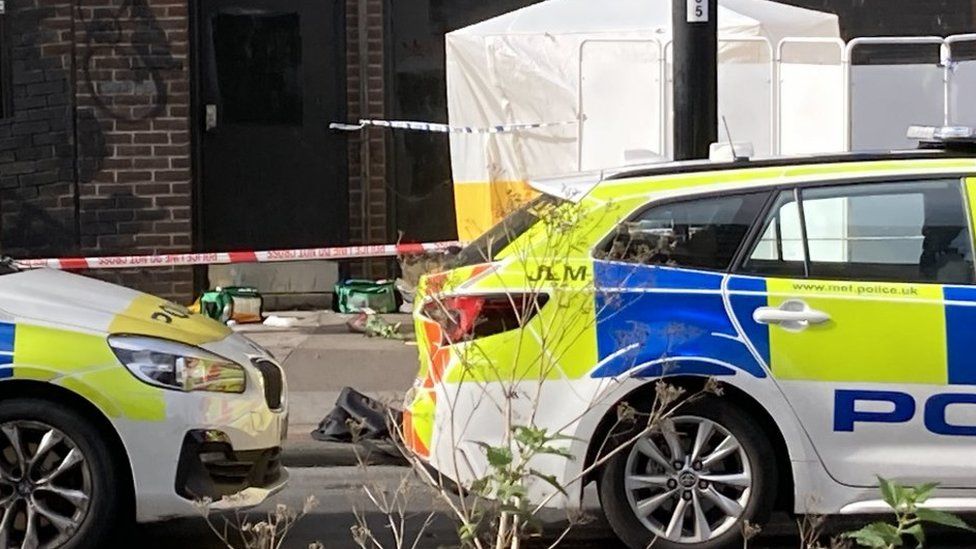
(657, 321)
(960, 318)
(673, 320)
(927, 330)
(7, 333)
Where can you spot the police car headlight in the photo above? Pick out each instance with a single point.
(173, 365)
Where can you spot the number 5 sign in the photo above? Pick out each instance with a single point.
(697, 11)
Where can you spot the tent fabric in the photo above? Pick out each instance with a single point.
(736, 18)
(524, 67)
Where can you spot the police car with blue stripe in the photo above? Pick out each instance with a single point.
(833, 297)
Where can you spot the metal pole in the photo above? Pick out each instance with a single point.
(945, 59)
(695, 28)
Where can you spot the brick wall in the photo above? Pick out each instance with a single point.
(99, 138)
(37, 168)
(368, 208)
(132, 75)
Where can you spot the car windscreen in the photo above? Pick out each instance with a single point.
(487, 246)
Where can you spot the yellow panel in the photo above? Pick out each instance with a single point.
(746, 176)
(878, 332)
(86, 365)
(117, 392)
(152, 316)
(62, 351)
(422, 411)
(472, 207)
(479, 205)
(35, 373)
(552, 258)
(559, 343)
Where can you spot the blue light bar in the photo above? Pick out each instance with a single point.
(935, 134)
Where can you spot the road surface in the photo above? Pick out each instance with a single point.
(339, 491)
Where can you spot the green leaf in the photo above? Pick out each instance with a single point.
(509, 492)
(903, 496)
(924, 491)
(888, 532)
(916, 532)
(479, 486)
(888, 492)
(878, 535)
(867, 538)
(549, 479)
(498, 456)
(530, 437)
(943, 518)
(552, 450)
(467, 532)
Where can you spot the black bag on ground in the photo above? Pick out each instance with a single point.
(372, 415)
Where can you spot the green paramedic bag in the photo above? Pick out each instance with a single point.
(237, 303)
(248, 304)
(216, 305)
(352, 296)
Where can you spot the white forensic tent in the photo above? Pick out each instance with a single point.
(599, 71)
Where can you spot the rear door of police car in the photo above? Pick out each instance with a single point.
(860, 298)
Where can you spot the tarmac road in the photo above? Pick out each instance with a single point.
(339, 491)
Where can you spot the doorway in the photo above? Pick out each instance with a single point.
(270, 76)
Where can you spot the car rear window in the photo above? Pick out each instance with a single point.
(487, 246)
(702, 233)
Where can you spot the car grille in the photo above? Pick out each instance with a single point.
(211, 468)
(240, 470)
(274, 382)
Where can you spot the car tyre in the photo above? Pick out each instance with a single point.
(59, 471)
(642, 475)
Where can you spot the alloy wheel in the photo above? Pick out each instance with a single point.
(45, 486)
(688, 481)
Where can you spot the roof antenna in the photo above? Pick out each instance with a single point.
(728, 135)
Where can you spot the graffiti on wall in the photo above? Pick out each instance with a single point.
(131, 34)
(57, 137)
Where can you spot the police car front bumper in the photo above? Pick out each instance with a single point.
(220, 448)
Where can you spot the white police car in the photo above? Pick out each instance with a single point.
(833, 297)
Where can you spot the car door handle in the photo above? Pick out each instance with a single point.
(794, 315)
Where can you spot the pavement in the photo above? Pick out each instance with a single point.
(320, 356)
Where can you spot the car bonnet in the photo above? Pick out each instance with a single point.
(66, 300)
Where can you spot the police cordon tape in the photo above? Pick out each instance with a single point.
(224, 258)
(434, 127)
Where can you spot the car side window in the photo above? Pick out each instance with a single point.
(899, 232)
(779, 251)
(703, 233)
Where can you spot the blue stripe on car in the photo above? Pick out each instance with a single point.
(743, 306)
(674, 318)
(7, 337)
(960, 343)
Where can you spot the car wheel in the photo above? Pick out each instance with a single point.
(57, 478)
(693, 482)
